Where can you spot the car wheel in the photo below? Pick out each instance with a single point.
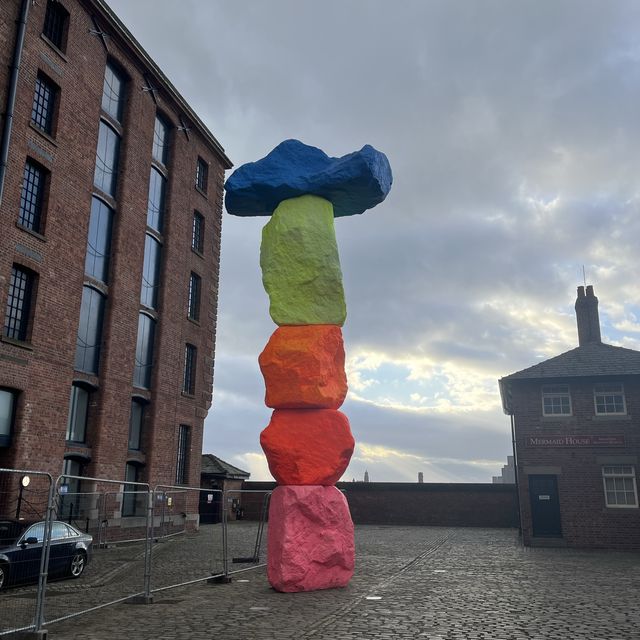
(78, 563)
(4, 574)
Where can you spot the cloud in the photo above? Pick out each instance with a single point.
(512, 132)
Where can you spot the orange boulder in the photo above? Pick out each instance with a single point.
(303, 367)
(307, 446)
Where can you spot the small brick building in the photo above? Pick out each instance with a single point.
(576, 425)
(110, 222)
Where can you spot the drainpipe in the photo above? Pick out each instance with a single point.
(515, 467)
(11, 96)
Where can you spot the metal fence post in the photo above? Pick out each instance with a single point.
(148, 598)
(44, 559)
(225, 540)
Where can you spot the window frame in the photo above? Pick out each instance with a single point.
(72, 415)
(56, 25)
(602, 393)
(202, 175)
(190, 369)
(105, 175)
(119, 98)
(142, 404)
(551, 391)
(33, 197)
(197, 233)
(5, 438)
(151, 267)
(162, 142)
(182, 454)
(23, 316)
(143, 370)
(156, 200)
(99, 237)
(85, 350)
(132, 506)
(44, 107)
(194, 297)
(612, 475)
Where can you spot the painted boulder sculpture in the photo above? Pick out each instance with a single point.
(308, 442)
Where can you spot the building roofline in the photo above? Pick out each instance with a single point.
(139, 51)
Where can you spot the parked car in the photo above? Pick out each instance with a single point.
(21, 551)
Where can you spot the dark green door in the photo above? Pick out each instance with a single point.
(545, 505)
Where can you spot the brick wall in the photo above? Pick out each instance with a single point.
(42, 369)
(428, 504)
(586, 521)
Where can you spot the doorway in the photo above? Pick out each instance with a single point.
(545, 505)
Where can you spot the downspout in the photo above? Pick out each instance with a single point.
(515, 467)
(11, 96)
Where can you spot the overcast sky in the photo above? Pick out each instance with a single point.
(513, 131)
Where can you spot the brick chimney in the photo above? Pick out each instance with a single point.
(587, 316)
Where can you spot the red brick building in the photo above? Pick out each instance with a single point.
(576, 425)
(110, 218)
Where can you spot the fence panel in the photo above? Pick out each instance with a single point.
(24, 501)
(246, 528)
(185, 551)
(117, 516)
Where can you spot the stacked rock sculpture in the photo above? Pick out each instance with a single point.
(308, 442)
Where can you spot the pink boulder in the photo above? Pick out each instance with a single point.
(310, 539)
(307, 446)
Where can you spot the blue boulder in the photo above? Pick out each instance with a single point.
(354, 183)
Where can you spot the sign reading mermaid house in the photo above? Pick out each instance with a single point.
(576, 441)
(308, 442)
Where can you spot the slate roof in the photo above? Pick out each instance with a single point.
(215, 466)
(588, 360)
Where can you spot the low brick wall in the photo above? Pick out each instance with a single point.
(432, 504)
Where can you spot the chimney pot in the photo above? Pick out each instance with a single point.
(581, 292)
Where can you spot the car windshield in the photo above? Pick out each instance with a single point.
(10, 531)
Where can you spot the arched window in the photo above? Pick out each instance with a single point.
(89, 331)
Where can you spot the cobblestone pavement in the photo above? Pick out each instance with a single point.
(410, 582)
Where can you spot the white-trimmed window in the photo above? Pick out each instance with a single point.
(609, 398)
(620, 489)
(556, 400)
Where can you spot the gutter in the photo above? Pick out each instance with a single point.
(11, 96)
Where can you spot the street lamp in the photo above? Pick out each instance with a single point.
(24, 483)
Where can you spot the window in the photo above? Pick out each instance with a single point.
(107, 153)
(556, 400)
(113, 92)
(133, 498)
(78, 414)
(32, 197)
(182, 455)
(620, 489)
(71, 502)
(160, 150)
(155, 203)
(19, 300)
(96, 262)
(197, 234)
(56, 21)
(195, 285)
(7, 414)
(144, 352)
(44, 102)
(609, 398)
(136, 420)
(202, 172)
(150, 273)
(189, 381)
(89, 331)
